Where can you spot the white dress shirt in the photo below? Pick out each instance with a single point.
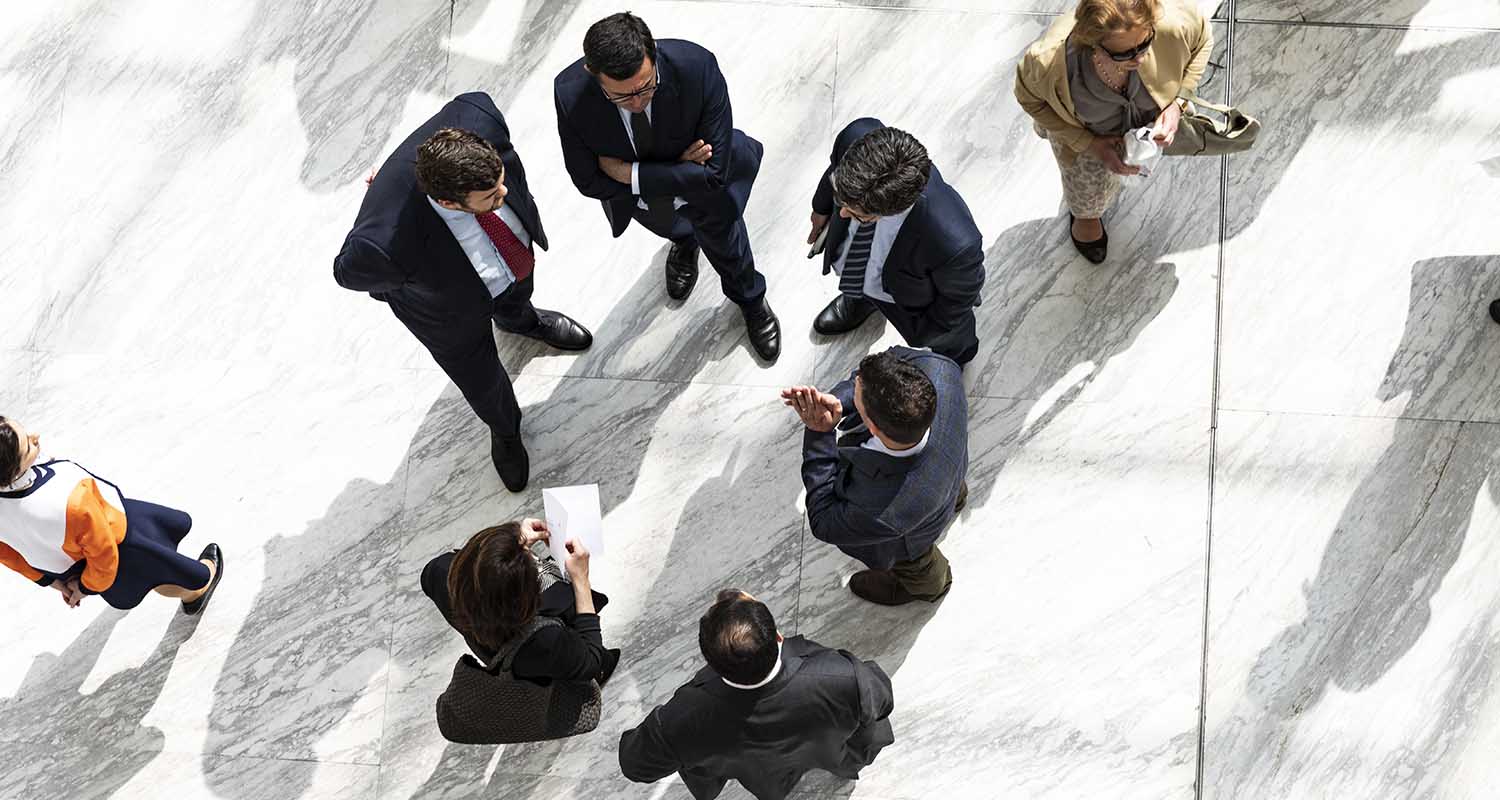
(476, 244)
(874, 443)
(776, 670)
(886, 231)
(635, 169)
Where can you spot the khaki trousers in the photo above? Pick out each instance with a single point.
(927, 577)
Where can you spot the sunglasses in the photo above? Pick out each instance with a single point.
(1133, 53)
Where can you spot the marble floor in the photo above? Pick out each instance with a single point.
(1234, 528)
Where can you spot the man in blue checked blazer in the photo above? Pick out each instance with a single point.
(884, 458)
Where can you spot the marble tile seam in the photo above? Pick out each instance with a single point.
(1200, 754)
(1280, 412)
(1378, 26)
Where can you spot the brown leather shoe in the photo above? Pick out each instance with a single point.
(879, 586)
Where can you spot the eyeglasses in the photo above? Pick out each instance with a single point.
(620, 99)
(1133, 53)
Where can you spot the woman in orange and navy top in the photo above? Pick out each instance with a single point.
(64, 527)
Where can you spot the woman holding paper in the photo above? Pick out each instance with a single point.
(1110, 67)
(499, 585)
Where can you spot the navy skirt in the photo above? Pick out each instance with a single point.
(149, 557)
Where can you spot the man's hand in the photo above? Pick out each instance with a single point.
(616, 169)
(1165, 129)
(819, 222)
(1107, 149)
(819, 411)
(698, 152)
(534, 530)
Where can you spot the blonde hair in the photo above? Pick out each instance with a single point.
(1096, 19)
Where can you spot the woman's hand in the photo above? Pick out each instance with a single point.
(1165, 129)
(71, 593)
(577, 563)
(534, 530)
(1107, 150)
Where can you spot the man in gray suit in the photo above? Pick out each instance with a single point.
(764, 711)
(886, 488)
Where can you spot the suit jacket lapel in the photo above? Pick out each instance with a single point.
(441, 243)
(907, 240)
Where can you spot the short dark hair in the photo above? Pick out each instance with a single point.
(494, 588)
(617, 45)
(454, 162)
(898, 397)
(10, 453)
(738, 638)
(883, 173)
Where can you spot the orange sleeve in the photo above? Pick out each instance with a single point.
(10, 558)
(94, 532)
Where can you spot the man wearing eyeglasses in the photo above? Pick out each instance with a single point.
(647, 130)
(901, 240)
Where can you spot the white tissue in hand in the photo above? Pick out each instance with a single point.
(1141, 150)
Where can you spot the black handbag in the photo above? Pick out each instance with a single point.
(489, 705)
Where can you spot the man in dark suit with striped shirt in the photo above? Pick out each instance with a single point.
(884, 458)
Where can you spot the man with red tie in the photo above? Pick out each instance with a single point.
(445, 237)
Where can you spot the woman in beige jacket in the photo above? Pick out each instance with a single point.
(1110, 67)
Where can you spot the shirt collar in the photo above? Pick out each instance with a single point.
(448, 214)
(874, 443)
(27, 478)
(776, 670)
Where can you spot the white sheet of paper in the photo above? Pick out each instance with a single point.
(573, 512)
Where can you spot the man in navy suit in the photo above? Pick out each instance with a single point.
(885, 490)
(903, 242)
(445, 237)
(647, 130)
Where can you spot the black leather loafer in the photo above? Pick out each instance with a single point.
(1094, 251)
(843, 314)
(682, 270)
(1495, 311)
(212, 554)
(559, 330)
(764, 329)
(511, 461)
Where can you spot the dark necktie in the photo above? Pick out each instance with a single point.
(658, 209)
(852, 282)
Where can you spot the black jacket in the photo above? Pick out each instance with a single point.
(573, 651)
(878, 508)
(935, 269)
(691, 103)
(401, 251)
(825, 710)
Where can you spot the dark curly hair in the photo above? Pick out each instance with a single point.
(898, 397)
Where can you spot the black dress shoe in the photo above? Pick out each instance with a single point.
(764, 329)
(212, 554)
(511, 461)
(1094, 251)
(1495, 311)
(682, 270)
(559, 330)
(842, 315)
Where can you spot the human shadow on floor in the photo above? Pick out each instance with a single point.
(1404, 527)
(1050, 326)
(96, 742)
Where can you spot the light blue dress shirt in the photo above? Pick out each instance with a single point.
(886, 231)
(477, 246)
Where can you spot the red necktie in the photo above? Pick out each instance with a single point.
(517, 256)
